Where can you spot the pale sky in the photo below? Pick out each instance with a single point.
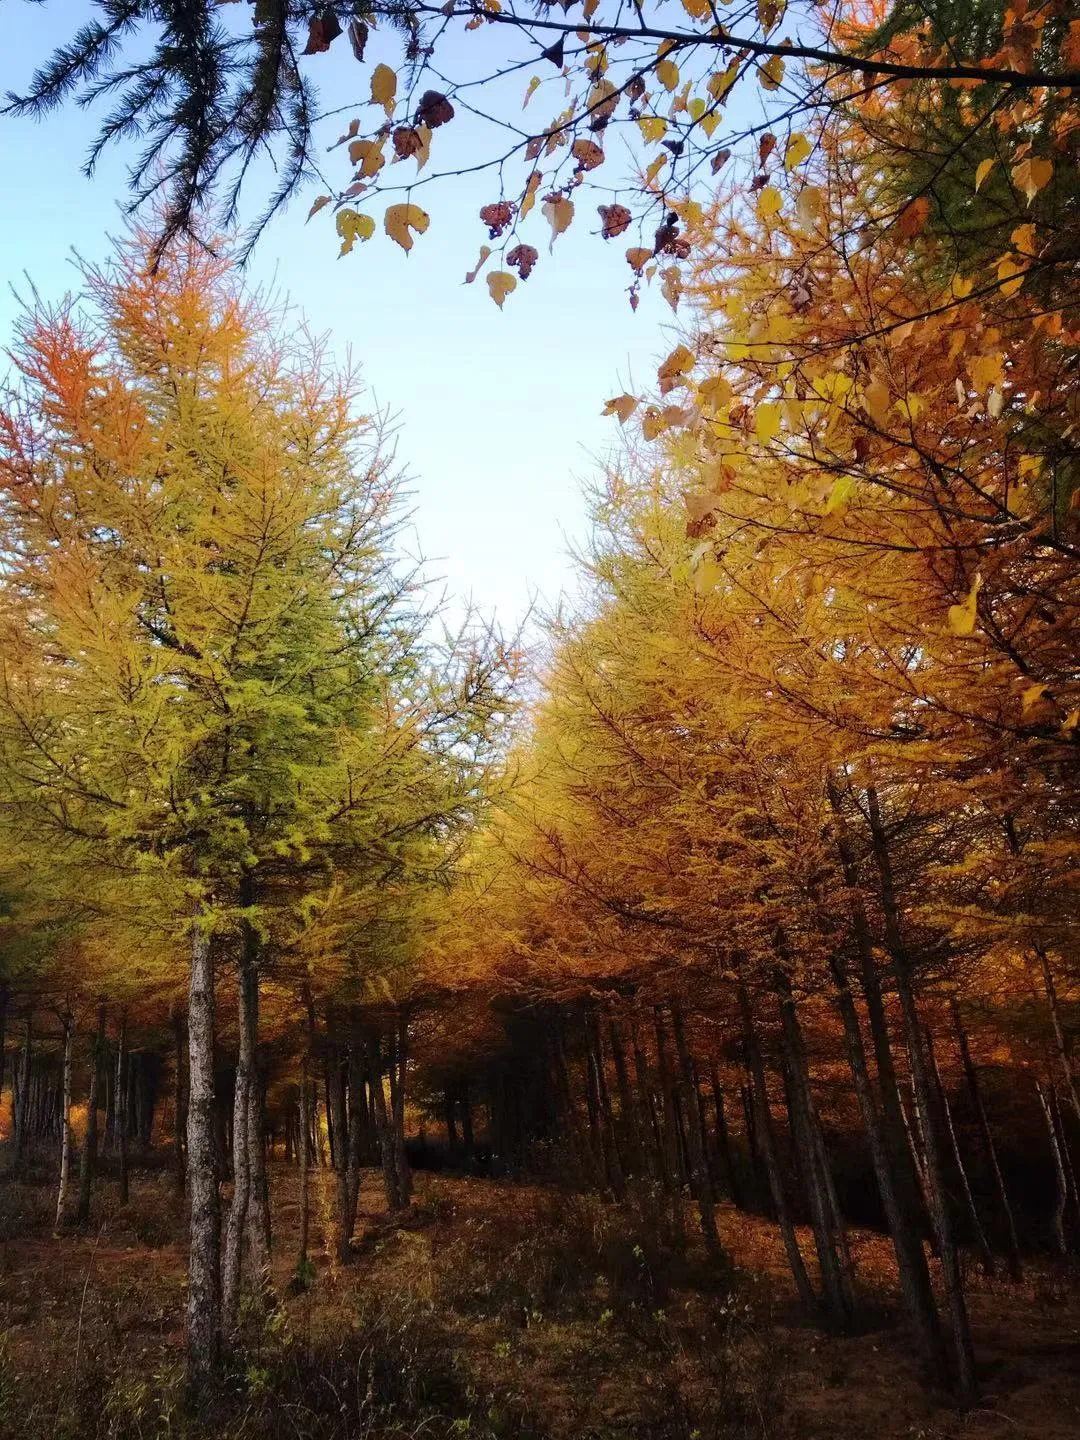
(499, 411)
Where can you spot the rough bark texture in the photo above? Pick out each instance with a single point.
(88, 1159)
(204, 1275)
(767, 1146)
(247, 1001)
(65, 1125)
(964, 1356)
(971, 1075)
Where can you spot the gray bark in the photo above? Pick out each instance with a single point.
(204, 1254)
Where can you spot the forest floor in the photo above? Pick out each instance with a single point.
(496, 1309)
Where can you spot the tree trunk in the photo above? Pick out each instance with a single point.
(613, 1168)
(950, 1260)
(700, 1179)
(3, 1036)
(723, 1140)
(628, 1112)
(247, 1006)
(1057, 1220)
(467, 1141)
(904, 1225)
(837, 1298)
(65, 1124)
(21, 1100)
(305, 1160)
(335, 1090)
(88, 1159)
(120, 1116)
(1059, 1033)
(399, 1068)
(257, 1230)
(981, 1243)
(971, 1075)
(766, 1144)
(204, 1268)
(179, 1116)
(394, 1200)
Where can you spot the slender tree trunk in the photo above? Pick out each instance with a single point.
(204, 1272)
(247, 1006)
(613, 1168)
(1057, 1219)
(358, 1128)
(65, 1124)
(981, 1243)
(768, 1151)
(628, 1111)
(88, 1159)
(699, 1174)
(467, 1125)
(1059, 1034)
(914, 1274)
(304, 1157)
(335, 1089)
(180, 1118)
(3, 1036)
(838, 1301)
(971, 1075)
(723, 1140)
(672, 1142)
(120, 1117)
(400, 1067)
(21, 1106)
(257, 1230)
(950, 1260)
(394, 1200)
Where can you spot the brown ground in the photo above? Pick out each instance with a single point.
(493, 1310)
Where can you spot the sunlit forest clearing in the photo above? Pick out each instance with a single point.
(658, 1020)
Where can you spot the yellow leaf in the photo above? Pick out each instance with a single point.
(720, 84)
(353, 226)
(485, 252)
(696, 9)
(500, 283)
(769, 202)
(671, 289)
(423, 155)
(771, 74)
(1032, 698)
(678, 363)
(810, 204)
(840, 494)
(400, 219)
(528, 200)
(696, 108)
(652, 127)
(982, 171)
(876, 401)
(1032, 175)
(962, 617)
(558, 213)
(652, 423)
(711, 123)
(714, 392)
(667, 72)
(384, 88)
(796, 151)
(318, 205)
(767, 422)
(654, 170)
(638, 257)
(530, 90)
(623, 406)
(368, 155)
(1010, 273)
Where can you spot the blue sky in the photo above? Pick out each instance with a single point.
(499, 412)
